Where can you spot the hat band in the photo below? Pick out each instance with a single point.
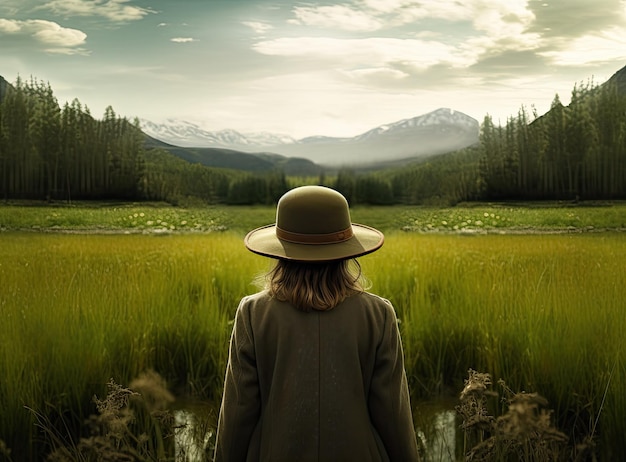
(299, 238)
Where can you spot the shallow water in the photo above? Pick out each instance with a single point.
(437, 431)
(441, 441)
(195, 433)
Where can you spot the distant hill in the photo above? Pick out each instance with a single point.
(437, 132)
(619, 79)
(237, 160)
(4, 86)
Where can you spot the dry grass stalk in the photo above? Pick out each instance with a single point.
(524, 432)
(132, 424)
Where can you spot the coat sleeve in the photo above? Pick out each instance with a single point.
(389, 401)
(241, 403)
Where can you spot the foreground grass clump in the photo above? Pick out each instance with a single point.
(543, 312)
(129, 426)
(524, 431)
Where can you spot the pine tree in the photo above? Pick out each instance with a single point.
(17, 144)
(45, 130)
(554, 155)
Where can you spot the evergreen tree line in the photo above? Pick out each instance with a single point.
(48, 152)
(53, 153)
(573, 152)
(445, 179)
(174, 180)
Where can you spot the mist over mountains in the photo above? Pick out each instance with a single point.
(440, 131)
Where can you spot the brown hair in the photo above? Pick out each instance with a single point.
(315, 286)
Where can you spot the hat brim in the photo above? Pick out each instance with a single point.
(263, 241)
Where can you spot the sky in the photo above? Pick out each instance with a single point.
(304, 68)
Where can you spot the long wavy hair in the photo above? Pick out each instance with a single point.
(315, 286)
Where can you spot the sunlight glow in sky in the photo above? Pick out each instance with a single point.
(335, 68)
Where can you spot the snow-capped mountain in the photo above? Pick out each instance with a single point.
(440, 131)
(441, 116)
(188, 134)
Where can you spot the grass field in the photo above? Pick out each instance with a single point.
(163, 218)
(542, 311)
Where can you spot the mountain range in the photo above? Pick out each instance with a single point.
(439, 131)
(236, 160)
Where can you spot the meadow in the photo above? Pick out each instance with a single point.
(527, 294)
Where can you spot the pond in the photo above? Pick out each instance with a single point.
(195, 431)
(436, 422)
(438, 429)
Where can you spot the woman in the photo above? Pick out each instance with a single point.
(315, 369)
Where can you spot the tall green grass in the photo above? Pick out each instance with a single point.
(79, 310)
(543, 312)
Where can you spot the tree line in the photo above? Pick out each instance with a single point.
(54, 153)
(64, 153)
(573, 152)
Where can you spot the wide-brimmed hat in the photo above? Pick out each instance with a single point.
(313, 224)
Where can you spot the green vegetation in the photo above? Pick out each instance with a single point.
(164, 218)
(53, 153)
(80, 310)
(570, 153)
(112, 291)
(541, 311)
(46, 152)
(578, 151)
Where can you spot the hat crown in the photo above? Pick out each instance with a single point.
(313, 210)
(313, 225)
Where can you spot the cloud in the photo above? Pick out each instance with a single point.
(10, 26)
(54, 38)
(509, 64)
(497, 24)
(484, 39)
(380, 63)
(427, 32)
(183, 40)
(372, 15)
(258, 27)
(379, 76)
(598, 48)
(371, 51)
(576, 18)
(336, 17)
(115, 10)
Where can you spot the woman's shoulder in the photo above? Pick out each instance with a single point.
(256, 298)
(259, 302)
(373, 298)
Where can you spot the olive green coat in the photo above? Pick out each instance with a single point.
(315, 386)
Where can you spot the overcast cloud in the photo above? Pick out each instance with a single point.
(311, 68)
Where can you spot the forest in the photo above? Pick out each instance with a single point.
(53, 153)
